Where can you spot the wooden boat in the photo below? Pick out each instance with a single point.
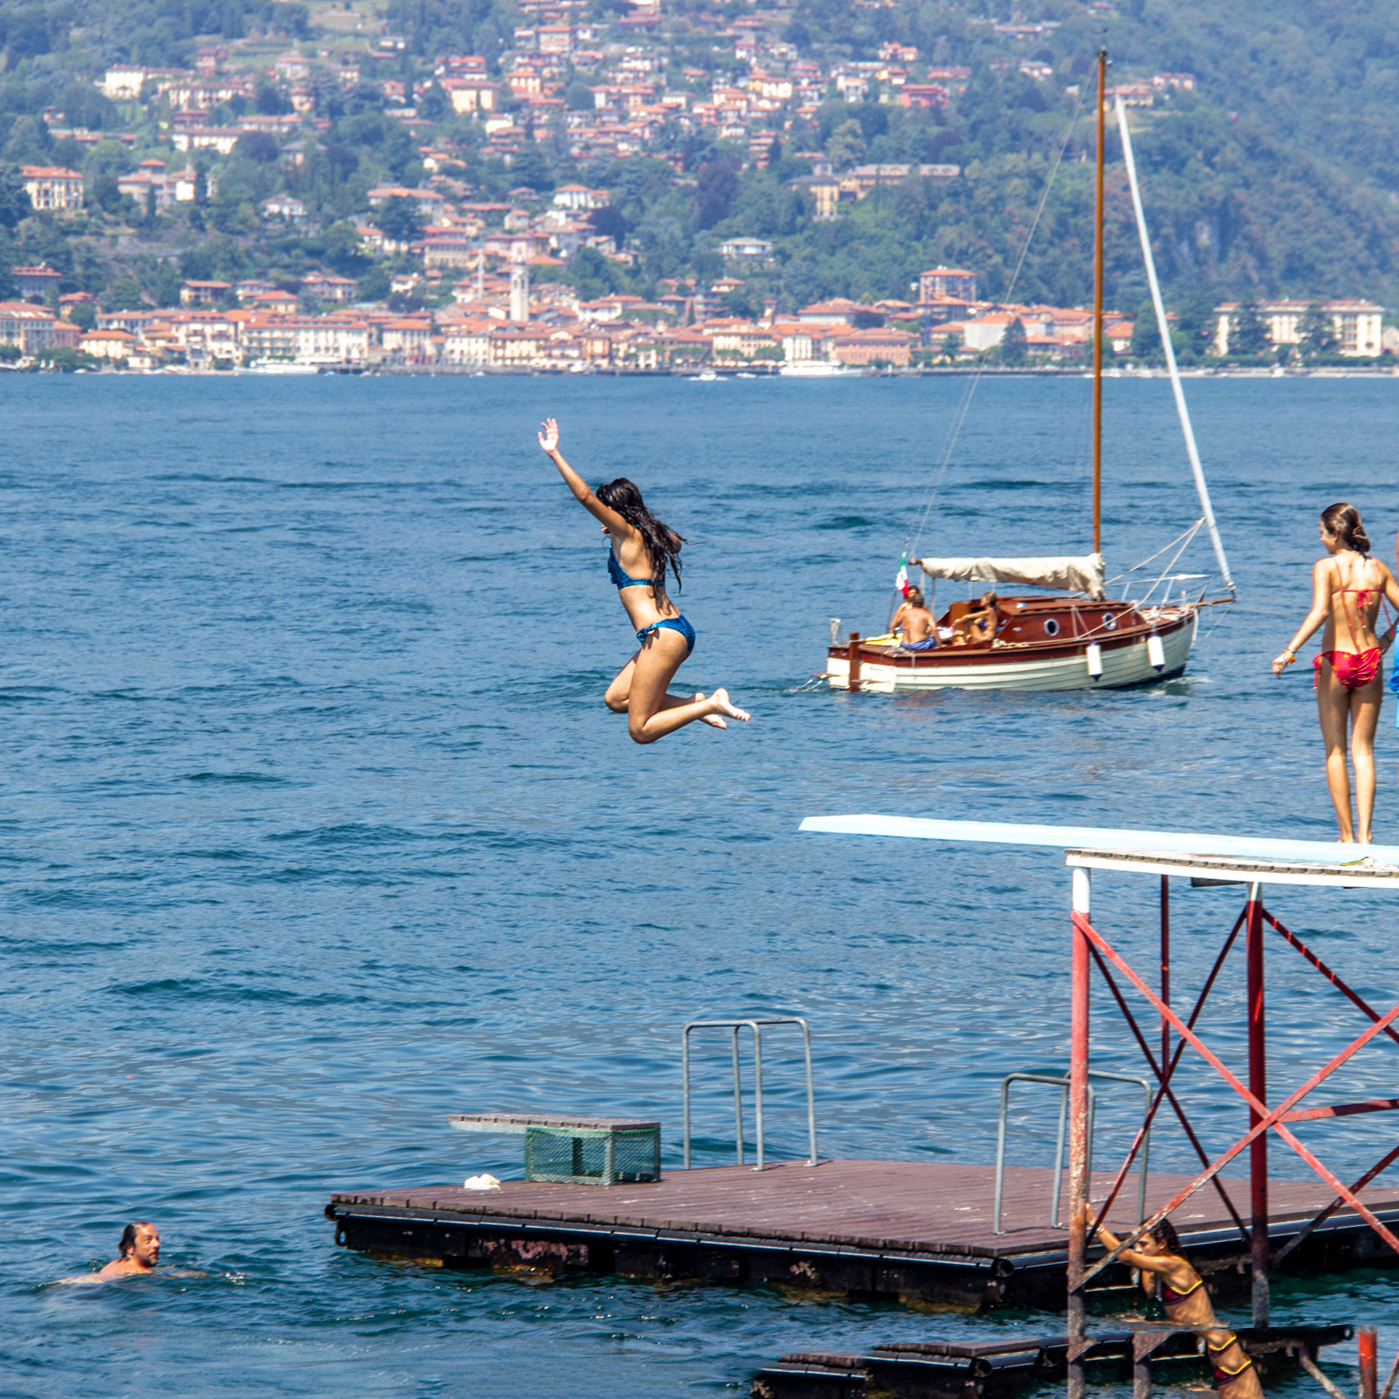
(1043, 643)
(1078, 639)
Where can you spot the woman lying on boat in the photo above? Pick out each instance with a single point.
(1347, 587)
(1167, 1276)
(641, 549)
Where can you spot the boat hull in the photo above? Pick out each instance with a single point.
(1126, 661)
(817, 369)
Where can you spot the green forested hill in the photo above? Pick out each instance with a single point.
(1322, 75)
(1280, 174)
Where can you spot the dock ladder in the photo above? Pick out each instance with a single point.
(1061, 1082)
(756, 1026)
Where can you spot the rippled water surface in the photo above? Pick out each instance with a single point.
(315, 830)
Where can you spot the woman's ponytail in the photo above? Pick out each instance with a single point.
(1343, 522)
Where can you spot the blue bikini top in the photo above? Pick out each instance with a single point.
(614, 572)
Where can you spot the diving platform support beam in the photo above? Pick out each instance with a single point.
(1078, 1138)
(1258, 1086)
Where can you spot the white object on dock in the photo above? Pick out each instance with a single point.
(485, 1181)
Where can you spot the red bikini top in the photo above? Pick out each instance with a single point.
(1165, 1293)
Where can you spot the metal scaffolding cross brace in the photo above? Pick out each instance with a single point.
(1088, 942)
(1241, 860)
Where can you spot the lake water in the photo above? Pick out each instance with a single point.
(315, 830)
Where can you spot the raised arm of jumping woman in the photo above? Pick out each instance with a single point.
(612, 522)
(642, 549)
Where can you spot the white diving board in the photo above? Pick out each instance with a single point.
(1248, 859)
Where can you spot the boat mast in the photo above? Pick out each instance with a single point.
(1098, 315)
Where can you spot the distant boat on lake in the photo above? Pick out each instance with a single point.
(280, 366)
(817, 369)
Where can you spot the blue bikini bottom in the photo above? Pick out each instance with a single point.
(670, 624)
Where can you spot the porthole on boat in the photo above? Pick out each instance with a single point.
(1051, 627)
(1109, 622)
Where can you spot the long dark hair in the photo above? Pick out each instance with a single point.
(1164, 1232)
(1343, 521)
(662, 542)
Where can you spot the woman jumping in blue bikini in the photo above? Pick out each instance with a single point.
(641, 549)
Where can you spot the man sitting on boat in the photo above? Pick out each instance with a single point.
(978, 626)
(914, 623)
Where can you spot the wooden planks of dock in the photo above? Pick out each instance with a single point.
(913, 1230)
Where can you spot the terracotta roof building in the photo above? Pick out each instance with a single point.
(53, 186)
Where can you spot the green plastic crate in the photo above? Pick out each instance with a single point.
(577, 1155)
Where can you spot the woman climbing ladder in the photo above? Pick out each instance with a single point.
(1167, 1276)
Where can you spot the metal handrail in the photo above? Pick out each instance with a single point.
(1062, 1083)
(734, 1026)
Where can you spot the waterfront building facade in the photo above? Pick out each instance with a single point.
(1357, 326)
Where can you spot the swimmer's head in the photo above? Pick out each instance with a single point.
(915, 596)
(140, 1241)
(988, 599)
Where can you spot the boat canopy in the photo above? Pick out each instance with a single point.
(1082, 574)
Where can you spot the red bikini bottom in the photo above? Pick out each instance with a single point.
(1354, 669)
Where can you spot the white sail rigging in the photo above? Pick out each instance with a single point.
(1164, 327)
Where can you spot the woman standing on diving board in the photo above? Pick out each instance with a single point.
(641, 549)
(1347, 587)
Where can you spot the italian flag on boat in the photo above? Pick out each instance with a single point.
(901, 582)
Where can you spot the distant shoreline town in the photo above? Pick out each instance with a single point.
(639, 192)
(499, 323)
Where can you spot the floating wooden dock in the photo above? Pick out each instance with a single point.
(925, 1231)
(911, 1230)
(938, 1370)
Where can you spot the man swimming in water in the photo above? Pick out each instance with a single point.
(137, 1254)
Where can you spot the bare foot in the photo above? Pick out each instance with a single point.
(713, 720)
(720, 700)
